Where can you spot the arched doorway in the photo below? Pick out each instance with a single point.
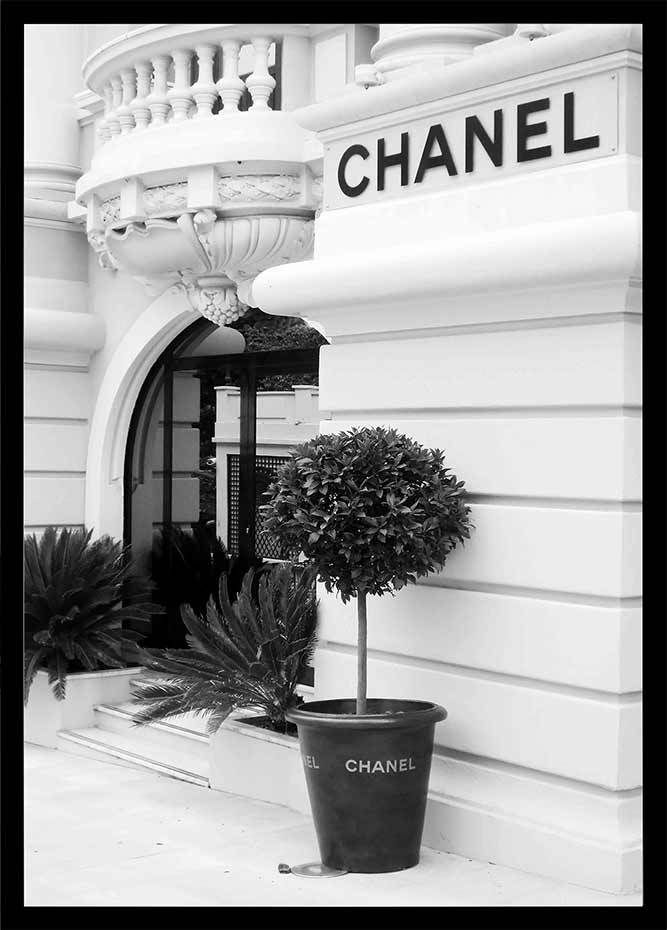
(194, 460)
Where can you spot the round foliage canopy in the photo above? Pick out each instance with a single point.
(370, 508)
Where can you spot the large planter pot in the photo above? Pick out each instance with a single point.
(44, 716)
(367, 779)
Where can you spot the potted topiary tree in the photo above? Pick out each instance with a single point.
(371, 510)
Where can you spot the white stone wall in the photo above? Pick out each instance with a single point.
(500, 320)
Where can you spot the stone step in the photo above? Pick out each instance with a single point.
(178, 747)
(182, 735)
(127, 749)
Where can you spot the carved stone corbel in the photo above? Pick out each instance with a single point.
(215, 298)
(98, 243)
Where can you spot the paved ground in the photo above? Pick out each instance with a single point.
(99, 834)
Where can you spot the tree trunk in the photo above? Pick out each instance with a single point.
(362, 659)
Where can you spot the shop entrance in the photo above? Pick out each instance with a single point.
(174, 488)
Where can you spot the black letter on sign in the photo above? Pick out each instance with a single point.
(435, 134)
(386, 161)
(524, 132)
(493, 147)
(571, 144)
(342, 165)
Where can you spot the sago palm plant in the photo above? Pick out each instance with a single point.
(247, 654)
(77, 596)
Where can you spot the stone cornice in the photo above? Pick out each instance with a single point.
(424, 285)
(89, 105)
(519, 61)
(49, 214)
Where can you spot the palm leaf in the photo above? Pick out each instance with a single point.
(248, 654)
(73, 592)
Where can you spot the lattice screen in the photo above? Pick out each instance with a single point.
(266, 467)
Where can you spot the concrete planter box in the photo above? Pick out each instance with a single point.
(257, 763)
(45, 716)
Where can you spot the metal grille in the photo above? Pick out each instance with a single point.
(266, 466)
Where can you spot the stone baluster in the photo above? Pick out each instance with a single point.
(180, 95)
(260, 83)
(129, 83)
(158, 101)
(103, 128)
(230, 85)
(116, 96)
(205, 91)
(139, 105)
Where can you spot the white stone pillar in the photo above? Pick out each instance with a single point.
(59, 333)
(296, 73)
(53, 55)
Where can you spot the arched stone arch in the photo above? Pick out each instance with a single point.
(138, 351)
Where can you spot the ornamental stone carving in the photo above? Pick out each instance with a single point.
(166, 197)
(215, 298)
(259, 187)
(178, 194)
(212, 255)
(98, 243)
(110, 210)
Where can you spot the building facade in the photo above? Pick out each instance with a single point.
(457, 208)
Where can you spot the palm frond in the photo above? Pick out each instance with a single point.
(247, 654)
(74, 604)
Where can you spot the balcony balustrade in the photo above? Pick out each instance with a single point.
(198, 178)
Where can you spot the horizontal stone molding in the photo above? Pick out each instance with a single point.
(56, 329)
(588, 737)
(54, 499)
(544, 258)
(524, 830)
(54, 394)
(561, 193)
(55, 294)
(165, 154)
(43, 178)
(48, 214)
(55, 446)
(587, 552)
(564, 367)
(586, 458)
(505, 634)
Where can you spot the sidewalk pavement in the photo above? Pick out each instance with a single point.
(99, 834)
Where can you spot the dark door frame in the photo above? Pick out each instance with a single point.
(248, 367)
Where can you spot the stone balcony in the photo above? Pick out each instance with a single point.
(199, 178)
